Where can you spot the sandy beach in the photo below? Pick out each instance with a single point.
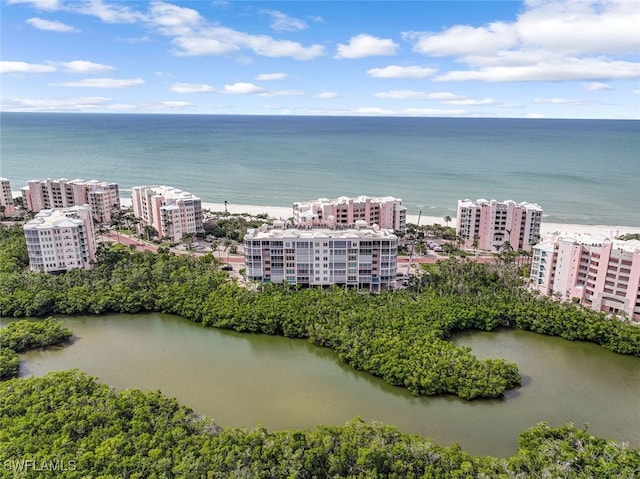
(548, 230)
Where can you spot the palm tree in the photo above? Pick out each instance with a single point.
(447, 220)
(149, 231)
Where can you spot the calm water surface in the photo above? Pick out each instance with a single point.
(246, 380)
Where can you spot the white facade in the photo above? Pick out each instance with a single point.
(363, 258)
(103, 197)
(494, 223)
(170, 211)
(387, 212)
(597, 272)
(61, 239)
(6, 197)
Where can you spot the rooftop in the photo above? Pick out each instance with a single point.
(265, 232)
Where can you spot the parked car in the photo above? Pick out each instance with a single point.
(227, 267)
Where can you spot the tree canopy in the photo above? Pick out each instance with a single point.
(400, 336)
(78, 428)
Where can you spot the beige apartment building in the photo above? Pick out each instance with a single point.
(6, 197)
(61, 239)
(387, 212)
(102, 197)
(597, 272)
(360, 257)
(494, 223)
(170, 211)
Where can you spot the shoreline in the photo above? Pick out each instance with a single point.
(548, 230)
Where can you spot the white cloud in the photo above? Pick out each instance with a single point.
(432, 112)
(365, 45)
(108, 13)
(83, 67)
(282, 93)
(271, 76)
(66, 104)
(557, 101)
(568, 69)
(464, 40)
(326, 95)
(396, 71)
(417, 95)
(597, 86)
(191, 88)
(576, 27)
(242, 88)
(23, 67)
(144, 39)
(470, 102)
(173, 20)
(222, 40)
(549, 41)
(166, 105)
(281, 22)
(103, 83)
(52, 26)
(49, 5)
(376, 111)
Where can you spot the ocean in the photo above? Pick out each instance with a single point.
(578, 171)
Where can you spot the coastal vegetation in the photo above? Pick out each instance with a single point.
(23, 335)
(68, 425)
(399, 336)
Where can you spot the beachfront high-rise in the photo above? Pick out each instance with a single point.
(494, 223)
(361, 257)
(103, 197)
(170, 211)
(597, 272)
(61, 239)
(6, 197)
(386, 212)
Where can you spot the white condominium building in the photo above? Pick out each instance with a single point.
(170, 211)
(597, 272)
(6, 197)
(361, 257)
(103, 197)
(387, 212)
(494, 223)
(61, 239)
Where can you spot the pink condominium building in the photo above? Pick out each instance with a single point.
(103, 197)
(494, 223)
(386, 212)
(600, 273)
(361, 257)
(170, 211)
(61, 239)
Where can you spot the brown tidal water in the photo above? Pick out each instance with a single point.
(247, 380)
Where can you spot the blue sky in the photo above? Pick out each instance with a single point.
(532, 59)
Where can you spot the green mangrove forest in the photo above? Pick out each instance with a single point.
(70, 422)
(67, 425)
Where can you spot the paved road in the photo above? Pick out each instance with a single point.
(239, 260)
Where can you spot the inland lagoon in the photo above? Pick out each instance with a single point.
(280, 383)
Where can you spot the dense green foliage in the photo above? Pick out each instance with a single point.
(629, 236)
(399, 336)
(23, 335)
(9, 363)
(20, 336)
(68, 421)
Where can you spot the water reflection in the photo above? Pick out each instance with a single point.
(248, 379)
